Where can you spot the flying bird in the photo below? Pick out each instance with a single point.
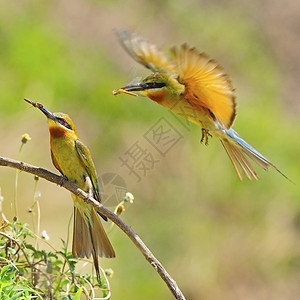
(196, 87)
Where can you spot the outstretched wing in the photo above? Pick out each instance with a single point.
(206, 84)
(86, 159)
(144, 52)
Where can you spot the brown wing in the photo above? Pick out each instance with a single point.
(144, 52)
(206, 84)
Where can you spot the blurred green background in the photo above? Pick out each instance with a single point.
(219, 238)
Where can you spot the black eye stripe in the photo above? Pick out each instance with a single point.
(63, 122)
(154, 85)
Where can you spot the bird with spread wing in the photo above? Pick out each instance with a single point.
(195, 87)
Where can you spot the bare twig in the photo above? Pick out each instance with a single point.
(43, 173)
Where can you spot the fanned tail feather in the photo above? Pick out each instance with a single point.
(239, 153)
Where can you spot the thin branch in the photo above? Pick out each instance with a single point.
(43, 173)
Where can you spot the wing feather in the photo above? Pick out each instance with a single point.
(86, 159)
(144, 52)
(206, 84)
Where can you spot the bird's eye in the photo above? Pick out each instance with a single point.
(155, 85)
(64, 123)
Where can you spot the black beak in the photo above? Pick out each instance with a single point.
(134, 87)
(142, 86)
(43, 109)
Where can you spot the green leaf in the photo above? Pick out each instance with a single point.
(78, 294)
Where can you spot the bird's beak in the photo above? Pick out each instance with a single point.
(43, 109)
(129, 89)
(134, 87)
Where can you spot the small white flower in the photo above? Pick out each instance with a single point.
(45, 235)
(128, 197)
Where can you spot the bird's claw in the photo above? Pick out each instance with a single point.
(205, 135)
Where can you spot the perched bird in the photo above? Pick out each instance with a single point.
(195, 87)
(73, 160)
